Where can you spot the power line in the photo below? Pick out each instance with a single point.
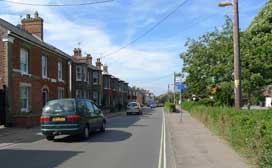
(149, 30)
(58, 5)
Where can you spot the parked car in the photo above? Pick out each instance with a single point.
(153, 105)
(134, 108)
(71, 117)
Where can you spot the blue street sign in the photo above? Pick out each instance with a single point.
(180, 86)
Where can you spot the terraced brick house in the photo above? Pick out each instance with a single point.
(83, 81)
(31, 71)
(107, 90)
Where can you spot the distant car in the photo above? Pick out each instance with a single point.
(134, 108)
(71, 117)
(153, 105)
(160, 105)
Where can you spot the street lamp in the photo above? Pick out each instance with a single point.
(236, 47)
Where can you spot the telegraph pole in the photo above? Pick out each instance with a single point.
(175, 87)
(237, 67)
(236, 47)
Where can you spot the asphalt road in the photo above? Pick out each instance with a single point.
(129, 142)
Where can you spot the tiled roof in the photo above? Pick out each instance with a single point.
(18, 31)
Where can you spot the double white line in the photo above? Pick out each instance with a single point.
(162, 157)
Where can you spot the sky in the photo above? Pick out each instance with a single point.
(102, 29)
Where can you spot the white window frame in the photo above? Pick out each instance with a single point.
(27, 97)
(60, 72)
(44, 66)
(95, 76)
(24, 61)
(78, 73)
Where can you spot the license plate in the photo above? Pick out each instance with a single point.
(58, 119)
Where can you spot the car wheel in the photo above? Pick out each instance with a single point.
(50, 137)
(103, 127)
(85, 133)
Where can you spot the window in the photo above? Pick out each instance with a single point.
(95, 96)
(60, 93)
(44, 66)
(95, 78)
(24, 98)
(78, 93)
(81, 106)
(84, 74)
(78, 73)
(24, 60)
(90, 107)
(59, 70)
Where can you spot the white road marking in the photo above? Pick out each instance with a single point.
(162, 157)
(164, 143)
(161, 144)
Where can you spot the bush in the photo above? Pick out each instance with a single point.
(248, 131)
(206, 102)
(169, 107)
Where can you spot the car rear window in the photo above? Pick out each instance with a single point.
(132, 104)
(60, 106)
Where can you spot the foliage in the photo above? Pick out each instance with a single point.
(208, 61)
(249, 132)
(206, 102)
(169, 107)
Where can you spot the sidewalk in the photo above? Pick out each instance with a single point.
(13, 135)
(195, 147)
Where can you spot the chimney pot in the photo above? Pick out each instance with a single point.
(36, 15)
(33, 25)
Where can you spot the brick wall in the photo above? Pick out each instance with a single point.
(35, 80)
(3, 78)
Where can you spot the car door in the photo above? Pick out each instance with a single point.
(93, 116)
(83, 111)
(99, 117)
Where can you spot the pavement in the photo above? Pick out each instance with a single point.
(129, 142)
(194, 146)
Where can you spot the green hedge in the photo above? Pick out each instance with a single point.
(249, 132)
(169, 107)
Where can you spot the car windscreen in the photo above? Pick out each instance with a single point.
(60, 106)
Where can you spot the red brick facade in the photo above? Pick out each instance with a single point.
(36, 82)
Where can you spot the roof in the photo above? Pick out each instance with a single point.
(84, 62)
(19, 32)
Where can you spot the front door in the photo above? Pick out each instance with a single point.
(44, 96)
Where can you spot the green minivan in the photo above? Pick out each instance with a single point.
(71, 117)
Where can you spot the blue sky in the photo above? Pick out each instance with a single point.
(103, 28)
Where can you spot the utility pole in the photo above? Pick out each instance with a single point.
(174, 87)
(236, 47)
(168, 93)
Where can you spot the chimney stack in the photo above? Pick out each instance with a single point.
(105, 68)
(33, 25)
(77, 52)
(89, 59)
(98, 63)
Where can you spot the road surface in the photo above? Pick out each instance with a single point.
(129, 142)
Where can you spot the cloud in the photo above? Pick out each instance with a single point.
(132, 64)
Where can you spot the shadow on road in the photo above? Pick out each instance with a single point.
(108, 136)
(34, 158)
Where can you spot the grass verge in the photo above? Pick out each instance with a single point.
(248, 131)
